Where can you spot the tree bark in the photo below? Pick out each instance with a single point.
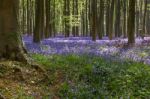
(11, 46)
(93, 19)
(131, 23)
(111, 17)
(144, 19)
(48, 26)
(39, 21)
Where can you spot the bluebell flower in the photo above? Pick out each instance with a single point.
(84, 45)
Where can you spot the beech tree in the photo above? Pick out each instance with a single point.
(93, 19)
(48, 26)
(11, 46)
(131, 22)
(111, 17)
(144, 19)
(39, 21)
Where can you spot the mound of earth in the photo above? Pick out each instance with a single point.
(18, 80)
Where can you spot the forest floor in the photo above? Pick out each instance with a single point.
(74, 76)
(21, 81)
(79, 68)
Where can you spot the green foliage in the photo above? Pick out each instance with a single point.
(22, 94)
(91, 77)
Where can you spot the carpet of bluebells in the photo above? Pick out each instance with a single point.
(105, 48)
(79, 68)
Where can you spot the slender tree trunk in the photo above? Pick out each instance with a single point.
(66, 14)
(73, 27)
(54, 22)
(39, 21)
(148, 23)
(93, 20)
(107, 17)
(131, 22)
(111, 18)
(117, 20)
(86, 19)
(100, 19)
(124, 19)
(48, 27)
(23, 17)
(137, 19)
(144, 20)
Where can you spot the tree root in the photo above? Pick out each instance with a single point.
(32, 73)
(1, 96)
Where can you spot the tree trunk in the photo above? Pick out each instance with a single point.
(93, 23)
(107, 17)
(11, 46)
(111, 17)
(131, 22)
(117, 20)
(100, 20)
(124, 19)
(48, 26)
(144, 20)
(39, 21)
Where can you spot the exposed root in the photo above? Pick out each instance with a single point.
(22, 72)
(2, 97)
(28, 74)
(40, 69)
(18, 74)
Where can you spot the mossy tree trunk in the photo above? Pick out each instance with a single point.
(10, 40)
